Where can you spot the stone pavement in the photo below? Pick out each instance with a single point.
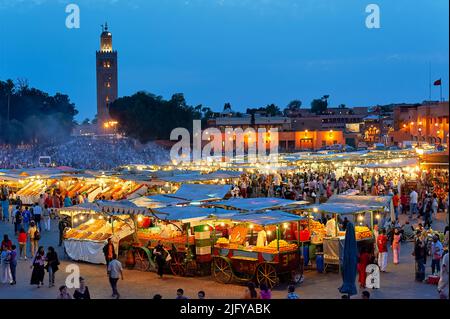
(397, 283)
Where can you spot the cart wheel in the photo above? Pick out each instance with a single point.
(221, 270)
(267, 274)
(142, 262)
(177, 266)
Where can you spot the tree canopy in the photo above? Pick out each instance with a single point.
(319, 106)
(145, 116)
(29, 115)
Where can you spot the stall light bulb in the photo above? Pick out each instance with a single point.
(315, 210)
(251, 226)
(269, 232)
(100, 217)
(222, 224)
(206, 228)
(377, 216)
(360, 217)
(75, 220)
(139, 218)
(285, 225)
(81, 217)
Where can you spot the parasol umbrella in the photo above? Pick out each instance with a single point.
(349, 263)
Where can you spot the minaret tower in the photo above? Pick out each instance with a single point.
(106, 65)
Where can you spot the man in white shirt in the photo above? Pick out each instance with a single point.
(413, 197)
(114, 273)
(37, 214)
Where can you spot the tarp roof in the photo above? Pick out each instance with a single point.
(340, 208)
(121, 207)
(267, 218)
(371, 201)
(259, 203)
(80, 208)
(200, 192)
(197, 177)
(392, 164)
(186, 213)
(157, 201)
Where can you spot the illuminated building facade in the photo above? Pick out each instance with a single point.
(425, 123)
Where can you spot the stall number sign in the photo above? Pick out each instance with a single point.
(287, 258)
(373, 276)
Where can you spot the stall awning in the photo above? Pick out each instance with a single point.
(339, 208)
(259, 203)
(396, 163)
(85, 208)
(200, 192)
(197, 177)
(189, 213)
(123, 207)
(370, 201)
(267, 218)
(157, 201)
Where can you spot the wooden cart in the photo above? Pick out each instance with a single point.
(261, 267)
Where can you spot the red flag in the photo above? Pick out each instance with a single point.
(437, 82)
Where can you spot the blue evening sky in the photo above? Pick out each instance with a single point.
(246, 52)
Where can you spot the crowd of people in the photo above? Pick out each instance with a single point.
(84, 153)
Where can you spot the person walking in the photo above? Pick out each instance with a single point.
(35, 236)
(83, 291)
(159, 252)
(13, 263)
(46, 217)
(52, 265)
(396, 204)
(437, 251)
(38, 273)
(420, 254)
(5, 258)
(396, 238)
(37, 215)
(17, 220)
(109, 252)
(22, 240)
(382, 250)
(26, 218)
(62, 225)
(413, 199)
(115, 271)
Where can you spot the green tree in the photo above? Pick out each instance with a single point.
(30, 115)
(319, 106)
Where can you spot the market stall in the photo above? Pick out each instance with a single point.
(258, 249)
(182, 232)
(110, 220)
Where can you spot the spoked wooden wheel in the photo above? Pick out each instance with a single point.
(141, 258)
(177, 265)
(267, 274)
(222, 271)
